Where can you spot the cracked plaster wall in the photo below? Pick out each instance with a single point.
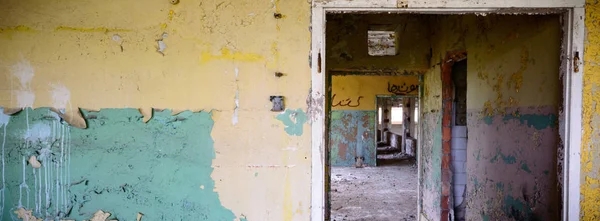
(513, 101)
(512, 130)
(72, 45)
(103, 54)
(504, 56)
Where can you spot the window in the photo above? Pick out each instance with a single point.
(380, 120)
(381, 41)
(416, 115)
(397, 115)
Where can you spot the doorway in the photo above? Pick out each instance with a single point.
(497, 108)
(372, 150)
(397, 129)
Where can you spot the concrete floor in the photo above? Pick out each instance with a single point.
(387, 192)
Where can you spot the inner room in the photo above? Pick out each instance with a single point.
(412, 127)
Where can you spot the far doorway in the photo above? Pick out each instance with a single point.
(373, 140)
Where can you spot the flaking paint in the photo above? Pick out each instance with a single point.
(513, 131)
(590, 147)
(72, 44)
(119, 164)
(504, 61)
(293, 120)
(352, 135)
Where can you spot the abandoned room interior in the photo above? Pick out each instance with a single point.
(300, 110)
(503, 157)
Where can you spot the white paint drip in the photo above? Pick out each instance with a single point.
(39, 202)
(52, 178)
(23, 186)
(68, 169)
(24, 72)
(234, 119)
(4, 125)
(60, 95)
(3, 118)
(46, 186)
(57, 188)
(35, 190)
(27, 122)
(39, 132)
(58, 171)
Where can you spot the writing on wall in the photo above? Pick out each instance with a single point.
(348, 102)
(403, 89)
(358, 92)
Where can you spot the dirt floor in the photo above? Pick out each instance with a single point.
(387, 192)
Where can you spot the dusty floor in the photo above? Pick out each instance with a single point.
(387, 192)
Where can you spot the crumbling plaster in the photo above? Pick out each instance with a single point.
(500, 66)
(105, 55)
(69, 43)
(510, 65)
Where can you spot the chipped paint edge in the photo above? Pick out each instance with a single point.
(573, 112)
(317, 114)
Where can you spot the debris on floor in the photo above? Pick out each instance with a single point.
(384, 193)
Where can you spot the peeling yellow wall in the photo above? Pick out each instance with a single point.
(507, 71)
(103, 54)
(590, 148)
(348, 89)
(513, 61)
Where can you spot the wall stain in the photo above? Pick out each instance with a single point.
(525, 167)
(97, 29)
(537, 121)
(228, 55)
(18, 28)
(507, 159)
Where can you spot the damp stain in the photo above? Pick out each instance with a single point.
(537, 121)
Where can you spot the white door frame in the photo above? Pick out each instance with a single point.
(573, 43)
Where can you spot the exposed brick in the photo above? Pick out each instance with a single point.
(446, 150)
(445, 215)
(446, 133)
(447, 94)
(445, 202)
(446, 161)
(446, 121)
(446, 176)
(446, 188)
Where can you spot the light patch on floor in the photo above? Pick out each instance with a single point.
(385, 193)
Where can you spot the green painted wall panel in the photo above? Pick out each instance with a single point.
(118, 164)
(352, 135)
